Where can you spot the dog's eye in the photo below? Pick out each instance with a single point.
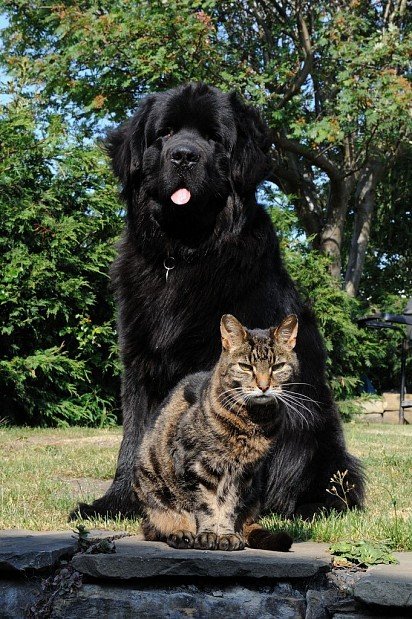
(166, 133)
(246, 367)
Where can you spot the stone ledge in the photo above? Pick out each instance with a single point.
(387, 585)
(137, 559)
(244, 584)
(22, 550)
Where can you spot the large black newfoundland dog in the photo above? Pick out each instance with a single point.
(196, 246)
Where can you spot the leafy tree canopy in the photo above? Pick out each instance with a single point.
(332, 80)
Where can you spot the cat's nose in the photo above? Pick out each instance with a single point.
(262, 381)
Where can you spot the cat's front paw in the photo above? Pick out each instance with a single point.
(231, 541)
(181, 539)
(206, 540)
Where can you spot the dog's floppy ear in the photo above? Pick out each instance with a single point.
(126, 144)
(250, 161)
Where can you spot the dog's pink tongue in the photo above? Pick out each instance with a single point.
(181, 196)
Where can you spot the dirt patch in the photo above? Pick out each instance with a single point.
(81, 487)
(109, 440)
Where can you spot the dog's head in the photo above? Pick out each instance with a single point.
(190, 148)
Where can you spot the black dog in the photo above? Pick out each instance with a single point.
(197, 246)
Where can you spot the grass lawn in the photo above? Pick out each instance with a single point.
(45, 472)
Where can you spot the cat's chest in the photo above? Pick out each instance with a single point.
(238, 452)
(244, 450)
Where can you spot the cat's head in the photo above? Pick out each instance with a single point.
(256, 363)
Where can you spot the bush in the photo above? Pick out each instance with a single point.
(60, 216)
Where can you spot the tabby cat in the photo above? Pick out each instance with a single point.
(199, 468)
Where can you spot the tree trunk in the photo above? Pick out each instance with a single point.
(303, 194)
(365, 198)
(332, 233)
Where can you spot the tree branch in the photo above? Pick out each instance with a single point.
(365, 199)
(307, 49)
(300, 149)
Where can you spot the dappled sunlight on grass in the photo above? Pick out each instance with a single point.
(45, 472)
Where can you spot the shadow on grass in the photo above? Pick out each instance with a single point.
(300, 530)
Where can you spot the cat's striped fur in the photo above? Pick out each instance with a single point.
(198, 473)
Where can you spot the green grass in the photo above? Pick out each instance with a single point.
(45, 472)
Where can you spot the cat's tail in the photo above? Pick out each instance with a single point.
(257, 536)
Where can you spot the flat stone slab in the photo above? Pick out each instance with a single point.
(387, 585)
(22, 550)
(137, 559)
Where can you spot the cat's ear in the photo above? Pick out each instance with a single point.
(287, 332)
(232, 332)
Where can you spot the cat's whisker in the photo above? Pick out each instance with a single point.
(288, 405)
(230, 398)
(229, 392)
(291, 418)
(297, 396)
(300, 395)
(234, 389)
(298, 403)
(290, 384)
(226, 396)
(230, 402)
(296, 413)
(235, 406)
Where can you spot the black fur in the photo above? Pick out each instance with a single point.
(227, 261)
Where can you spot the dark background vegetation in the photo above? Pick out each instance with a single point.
(331, 78)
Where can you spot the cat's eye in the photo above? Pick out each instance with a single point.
(246, 367)
(278, 366)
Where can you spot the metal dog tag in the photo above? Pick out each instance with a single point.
(169, 264)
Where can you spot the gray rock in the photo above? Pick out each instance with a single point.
(361, 615)
(124, 602)
(345, 579)
(136, 559)
(318, 603)
(387, 585)
(22, 550)
(16, 597)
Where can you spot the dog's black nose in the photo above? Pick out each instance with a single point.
(184, 156)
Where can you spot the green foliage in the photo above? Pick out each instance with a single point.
(363, 553)
(81, 534)
(59, 219)
(388, 266)
(102, 56)
(352, 351)
(75, 65)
